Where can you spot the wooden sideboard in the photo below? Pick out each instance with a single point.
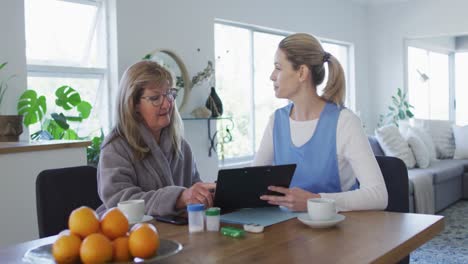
(20, 163)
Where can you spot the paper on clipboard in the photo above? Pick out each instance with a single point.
(264, 216)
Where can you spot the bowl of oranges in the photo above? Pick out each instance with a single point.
(93, 240)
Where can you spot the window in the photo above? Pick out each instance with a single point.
(244, 62)
(66, 44)
(461, 88)
(428, 82)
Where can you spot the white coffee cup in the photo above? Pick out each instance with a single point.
(134, 210)
(321, 209)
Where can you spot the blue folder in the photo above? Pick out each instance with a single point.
(264, 216)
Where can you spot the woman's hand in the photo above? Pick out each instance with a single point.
(199, 193)
(295, 199)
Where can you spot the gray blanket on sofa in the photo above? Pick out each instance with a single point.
(423, 192)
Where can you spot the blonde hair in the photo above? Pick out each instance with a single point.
(304, 49)
(132, 84)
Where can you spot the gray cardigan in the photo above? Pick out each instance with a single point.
(159, 178)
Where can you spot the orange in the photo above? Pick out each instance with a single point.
(96, 248)
(66, 249)
(120, 250)
(143, 241)
(83, 221)
(114, 224)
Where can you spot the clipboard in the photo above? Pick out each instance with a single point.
(242, 187)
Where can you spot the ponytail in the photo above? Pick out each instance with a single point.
(335, 90)
(304, 49)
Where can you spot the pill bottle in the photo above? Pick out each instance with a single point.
(212, 219)
(196, 217)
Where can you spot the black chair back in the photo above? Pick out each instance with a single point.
(59, 192)
(395, 175)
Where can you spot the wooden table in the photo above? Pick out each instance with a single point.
(364, 237)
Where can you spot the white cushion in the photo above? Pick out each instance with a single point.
(442, 135)
(420, 151)
(427, 140)
(461, 142)
(393, 144)
(403, 126)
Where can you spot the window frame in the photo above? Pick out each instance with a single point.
(349, 69)
(49, 69)
(451, 73)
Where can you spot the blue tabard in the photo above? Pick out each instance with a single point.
(317, 165)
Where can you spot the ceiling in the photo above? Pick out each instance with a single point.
(377, 2)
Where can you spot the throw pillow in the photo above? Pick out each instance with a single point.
(420, 151)
(393, 144)
(442, 135)
(427, 140)
(461, 142)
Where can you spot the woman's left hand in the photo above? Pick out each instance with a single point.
(295, 199)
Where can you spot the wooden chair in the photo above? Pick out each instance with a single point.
(59, 192)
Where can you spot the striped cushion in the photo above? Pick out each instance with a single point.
(393, 144)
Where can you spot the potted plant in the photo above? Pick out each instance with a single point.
(57, 126)
(11, 126)
(73, 109)
(399, 111)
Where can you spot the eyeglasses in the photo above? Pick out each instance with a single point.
(157, 100)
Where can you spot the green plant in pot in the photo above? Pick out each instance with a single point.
(399, 110)
(11, 126)
(57, 126)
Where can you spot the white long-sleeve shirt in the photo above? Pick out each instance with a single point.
(355, 161)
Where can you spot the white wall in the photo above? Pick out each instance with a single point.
(184, 26)
(438, 44)
(390, 24)
(18, 219)
(12, 50)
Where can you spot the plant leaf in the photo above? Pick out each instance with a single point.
(74, 118)
(53, 129)
(94, 150)
(401, 114)
(67, 97)
(391, 108)
(395, 101)
(399, 92)
(3, 65)
(70, 134)
(409, 114)
(31, 107)
(147, 56)
(60, 120)
(84, 108)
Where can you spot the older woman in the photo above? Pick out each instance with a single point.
(145, 156)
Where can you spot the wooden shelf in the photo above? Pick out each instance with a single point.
(27, 146)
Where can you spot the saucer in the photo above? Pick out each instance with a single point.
(305, 218)
(146, 218)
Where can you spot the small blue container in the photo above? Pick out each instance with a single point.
(196, 217)
(195, 207)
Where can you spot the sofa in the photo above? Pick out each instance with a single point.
(449, 179)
